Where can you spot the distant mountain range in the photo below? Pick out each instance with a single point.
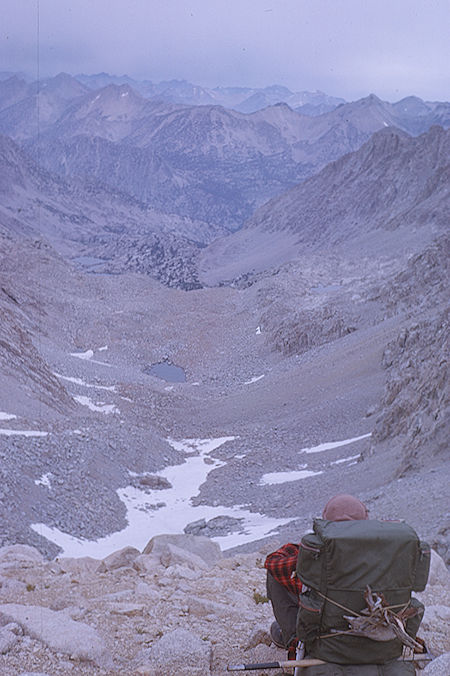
(242, 99)
(204, 163)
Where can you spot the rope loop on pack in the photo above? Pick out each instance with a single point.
(377, 621)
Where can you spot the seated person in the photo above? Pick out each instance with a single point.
(283, 586)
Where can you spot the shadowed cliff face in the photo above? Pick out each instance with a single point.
(23, 322)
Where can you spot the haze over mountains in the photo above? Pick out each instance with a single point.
(202, 162)
(293, 265)
(243, 99)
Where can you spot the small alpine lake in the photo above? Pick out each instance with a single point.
(166, 371)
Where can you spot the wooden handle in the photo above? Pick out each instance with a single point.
(275, 665)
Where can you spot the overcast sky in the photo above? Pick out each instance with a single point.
(347, 48)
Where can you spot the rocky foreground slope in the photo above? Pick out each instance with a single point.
(178, 608)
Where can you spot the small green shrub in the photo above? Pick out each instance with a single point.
(259, 598)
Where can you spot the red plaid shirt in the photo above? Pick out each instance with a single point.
(282, 565)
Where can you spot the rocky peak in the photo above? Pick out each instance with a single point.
(63, 85)
(411, 105)
(370, 100)
(115, 94)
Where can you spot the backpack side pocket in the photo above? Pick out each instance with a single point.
(309, 561)
(423, 567)
(309, 616)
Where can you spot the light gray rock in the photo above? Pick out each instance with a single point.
(120, 559)
(20, 554)
(201, 546)
(219, 525)
(438, 667)
(195, 527)
(435, 628)
(9, 636)
(179, 651)
(58, 631)
(438, 571)
(172, 555)
(128, 609)
(146, 564)
(122, 595)
(12, 585)
(85, 565)
(182, 572)
(201, 607)
(145, 590)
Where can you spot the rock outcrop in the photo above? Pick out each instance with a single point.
(190, 610)
(415, 406)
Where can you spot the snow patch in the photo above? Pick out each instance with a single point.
(7, 416)
(23, 433)
(284, 477)
(352, 457)
(100, 406)
(169, 510)
(44, 480)
(333, 444)
(87, 356)
(253, 380)
(83, 355)
(78, 381)
(258, 330)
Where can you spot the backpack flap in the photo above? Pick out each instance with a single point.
(382, 554)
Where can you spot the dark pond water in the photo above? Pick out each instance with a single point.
(166, 371)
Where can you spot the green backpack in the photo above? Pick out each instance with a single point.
(337, 564)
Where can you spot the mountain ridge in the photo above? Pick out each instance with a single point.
(207, 162)
(389, 197)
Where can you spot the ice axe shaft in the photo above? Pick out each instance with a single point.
(312, 663)
(275, 665)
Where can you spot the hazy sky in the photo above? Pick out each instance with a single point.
(348, 48)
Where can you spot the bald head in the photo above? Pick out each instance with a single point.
(345, 507)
